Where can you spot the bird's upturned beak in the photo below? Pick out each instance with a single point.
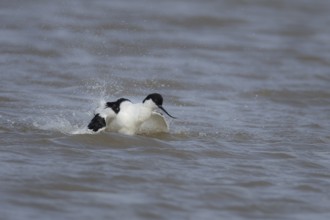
(161, 107)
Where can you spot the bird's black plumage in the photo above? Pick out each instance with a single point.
(156, 98)
(115, 106)
(97, 123)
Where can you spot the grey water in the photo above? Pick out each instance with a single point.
(249, 82)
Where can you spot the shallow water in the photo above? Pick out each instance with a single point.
(248, 81)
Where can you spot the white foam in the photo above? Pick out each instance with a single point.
(60, 124)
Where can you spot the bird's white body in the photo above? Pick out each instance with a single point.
(106, 113)
(131, 117)
(125, 117)
(155, 124)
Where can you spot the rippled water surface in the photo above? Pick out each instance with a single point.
(248, 80)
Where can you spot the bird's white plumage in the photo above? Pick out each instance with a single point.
(131, 116)
(125, 117)
(155, 124)
(106, 113)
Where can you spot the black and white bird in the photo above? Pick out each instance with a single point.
(125, 117)
(105, 114)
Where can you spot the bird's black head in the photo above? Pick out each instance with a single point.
(115, 106)
(156, 98)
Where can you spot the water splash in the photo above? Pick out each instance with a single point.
(71, 114)
(60, 124)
